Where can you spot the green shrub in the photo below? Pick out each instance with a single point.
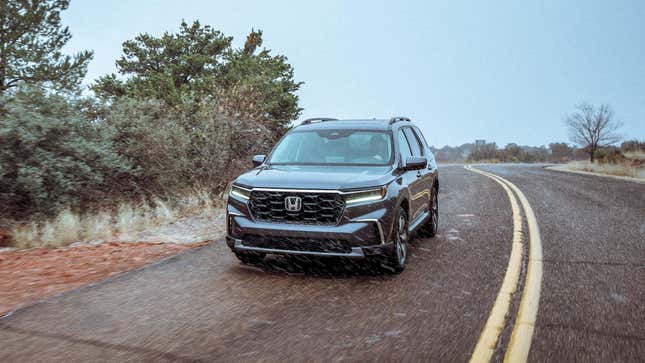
(52, 157)
(172, 147)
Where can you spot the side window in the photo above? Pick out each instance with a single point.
(430, 156)
(404, 147)
(413, 141)
(421, 137)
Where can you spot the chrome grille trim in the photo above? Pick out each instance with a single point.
(317, 208)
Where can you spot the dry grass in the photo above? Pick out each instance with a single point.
(619, 169)
(635, 155)
(126, 219)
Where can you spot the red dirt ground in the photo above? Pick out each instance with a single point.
(31, 275)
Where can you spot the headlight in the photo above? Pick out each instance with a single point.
(366, 195)
(240, 192)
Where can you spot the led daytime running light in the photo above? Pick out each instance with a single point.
(366, 196)
(240, 192)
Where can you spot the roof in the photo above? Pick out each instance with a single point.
(360, 124)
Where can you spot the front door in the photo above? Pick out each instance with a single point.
(421, 187)
(419, 195)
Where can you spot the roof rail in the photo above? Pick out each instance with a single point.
(399, 118)
(317, 119)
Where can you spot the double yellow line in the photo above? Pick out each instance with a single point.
(520, 343)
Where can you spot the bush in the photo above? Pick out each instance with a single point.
(57, 154)
(174, 148)
(52, 157)
(632, 146)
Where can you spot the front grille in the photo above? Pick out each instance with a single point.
(317, 208)
(298, 243)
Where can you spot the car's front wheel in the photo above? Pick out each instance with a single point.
(399, 255)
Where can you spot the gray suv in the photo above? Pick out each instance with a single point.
(343, 188)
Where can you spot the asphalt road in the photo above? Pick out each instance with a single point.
(592, 303)
(204, 306)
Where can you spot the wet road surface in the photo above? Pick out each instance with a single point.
(592, 304)
(203, 305)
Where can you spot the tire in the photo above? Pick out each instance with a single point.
(399, 256)
(250, 258)
(429, 229)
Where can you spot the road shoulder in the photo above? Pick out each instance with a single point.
(563, 168)
(30, 276)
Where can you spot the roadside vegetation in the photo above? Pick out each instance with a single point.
(157, 140)
(627, 161)
(593, 132)
(489, 152)
(109, 223)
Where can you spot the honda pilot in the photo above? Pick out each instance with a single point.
(340, 188)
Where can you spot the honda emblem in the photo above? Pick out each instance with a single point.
(293, 204)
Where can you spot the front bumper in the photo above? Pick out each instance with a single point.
(353, 238)
(362, 230)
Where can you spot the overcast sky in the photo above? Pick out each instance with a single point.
(505, 72)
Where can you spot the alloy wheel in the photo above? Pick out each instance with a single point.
(435, 211)
(402, 240)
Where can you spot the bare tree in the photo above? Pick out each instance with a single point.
(593, 128)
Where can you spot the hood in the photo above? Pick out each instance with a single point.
(316, 177)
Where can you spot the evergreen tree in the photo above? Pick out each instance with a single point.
(198, 65)
(170, 68)
(31, 39)
(260, 86)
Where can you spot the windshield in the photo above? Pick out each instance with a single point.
(334, 147)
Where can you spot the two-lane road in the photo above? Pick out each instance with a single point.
(592, 303)
(203, 305)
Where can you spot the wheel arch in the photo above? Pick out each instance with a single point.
(406, 206)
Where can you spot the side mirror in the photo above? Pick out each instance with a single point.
(415, 163)
(258, 160)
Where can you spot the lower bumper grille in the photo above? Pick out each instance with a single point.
(298, 244)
